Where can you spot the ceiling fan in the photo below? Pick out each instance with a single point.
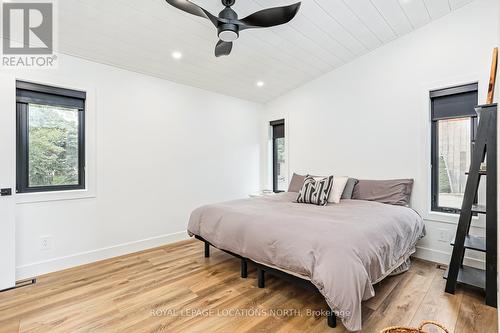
(229, 25)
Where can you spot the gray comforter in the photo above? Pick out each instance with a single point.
(343, 249)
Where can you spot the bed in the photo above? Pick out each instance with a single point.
(342, 249)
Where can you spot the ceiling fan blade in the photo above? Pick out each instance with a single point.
(191, 8)
(269, 17)
(223, 48)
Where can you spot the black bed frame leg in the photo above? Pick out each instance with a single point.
(207, 249)
(261, 279)
(244, 268)
(331, 319)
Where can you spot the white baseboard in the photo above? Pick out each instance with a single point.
(57, 264)
(442, 257)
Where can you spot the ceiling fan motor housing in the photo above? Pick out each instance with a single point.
(228, 32)
(228, 3)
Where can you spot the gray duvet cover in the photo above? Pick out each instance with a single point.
(343, 249)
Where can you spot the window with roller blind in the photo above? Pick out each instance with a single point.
(50, 138)
(280, 181)
(454, 124)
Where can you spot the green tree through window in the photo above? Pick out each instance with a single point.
(53, 146)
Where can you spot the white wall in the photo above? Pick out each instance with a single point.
(370, 118)
(161, 150)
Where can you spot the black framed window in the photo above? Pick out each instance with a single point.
(50, 138)
(454, 125)
(280, 181)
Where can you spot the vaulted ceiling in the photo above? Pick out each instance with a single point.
(141, 36)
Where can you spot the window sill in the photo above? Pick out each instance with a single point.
(446, 217)
(26, 198)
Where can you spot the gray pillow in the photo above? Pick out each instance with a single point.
(392, 192)
(296, 183)
(349, 188)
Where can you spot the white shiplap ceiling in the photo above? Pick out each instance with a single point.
(141, 36)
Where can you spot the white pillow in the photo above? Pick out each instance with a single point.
(338, 187)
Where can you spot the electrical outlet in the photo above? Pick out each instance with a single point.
(444, 236)
(45, 243)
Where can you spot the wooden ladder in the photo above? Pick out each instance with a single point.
(485, 148)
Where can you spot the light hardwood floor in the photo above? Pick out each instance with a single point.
(152, 291)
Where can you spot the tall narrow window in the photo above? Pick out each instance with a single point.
(50, 138)
(280, 181)
(454, 123)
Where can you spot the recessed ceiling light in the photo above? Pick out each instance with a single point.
(176, 55)
(260, 84)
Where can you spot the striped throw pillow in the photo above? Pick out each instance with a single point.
(315, 191)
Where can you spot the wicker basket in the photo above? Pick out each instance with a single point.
(420, 329)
